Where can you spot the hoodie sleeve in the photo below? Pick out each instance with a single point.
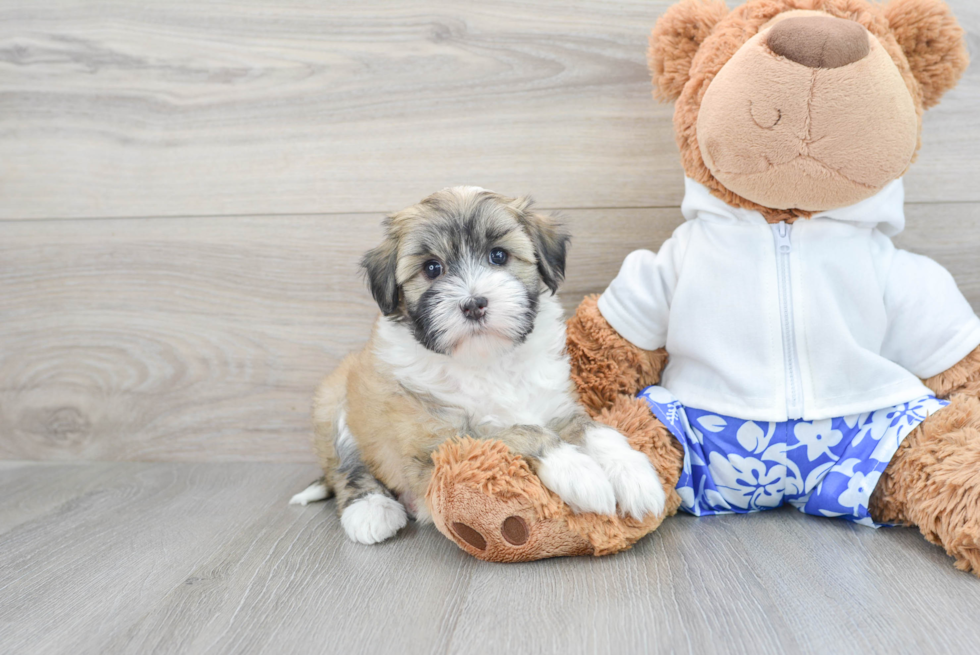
(637, 302)
(931, 326)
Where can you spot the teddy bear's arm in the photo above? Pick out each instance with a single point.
(964, 377)
(604, 364)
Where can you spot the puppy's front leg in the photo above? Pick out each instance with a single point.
(368, 511)
(563, 467)
(634, 480)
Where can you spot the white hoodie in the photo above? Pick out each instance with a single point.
(819, 319)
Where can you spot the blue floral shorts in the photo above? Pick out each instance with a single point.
(825, 468)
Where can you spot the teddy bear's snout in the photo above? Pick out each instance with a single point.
(819, 41)
(811, 113)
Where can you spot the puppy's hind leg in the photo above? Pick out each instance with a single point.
(318, 490)
(368, 511)
(328, 403)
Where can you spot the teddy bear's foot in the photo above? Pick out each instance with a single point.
(488, 501)
(933, 482)
(965, 547)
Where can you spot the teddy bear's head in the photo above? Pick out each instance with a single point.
(792, 107)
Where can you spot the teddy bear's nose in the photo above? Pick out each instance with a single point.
(819, 41)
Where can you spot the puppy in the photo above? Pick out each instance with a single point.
(471, 342)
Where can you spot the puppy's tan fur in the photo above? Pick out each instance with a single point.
(397, 432)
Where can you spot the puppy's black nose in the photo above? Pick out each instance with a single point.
(475, 307)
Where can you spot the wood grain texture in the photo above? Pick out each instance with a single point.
(196, 339)
(202, 339)
(214, 108)
(196, 558)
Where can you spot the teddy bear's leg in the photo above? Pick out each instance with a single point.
(487, 499)
(933, 482)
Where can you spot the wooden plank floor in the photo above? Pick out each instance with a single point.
(208, 558)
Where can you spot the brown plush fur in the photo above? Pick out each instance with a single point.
(962, 378)
(933, 43)
(479, 485)
(675, 40)
(728, 34)
(604, 364)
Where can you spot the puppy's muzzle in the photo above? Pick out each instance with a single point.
(474, 308)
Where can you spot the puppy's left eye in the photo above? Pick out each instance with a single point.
(498, 256)
(432, 269)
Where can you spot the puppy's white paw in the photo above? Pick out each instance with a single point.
(373, 518)
(316, 491)
(578, 480)
(637, 486)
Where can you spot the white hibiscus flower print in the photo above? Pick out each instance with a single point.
(875, 426)
(854, 420)
(859, 489)
(745, 482)
(752, 438)
(818, 437)
(712, 423)
(687, 496)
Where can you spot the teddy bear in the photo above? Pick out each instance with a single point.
(777, 349)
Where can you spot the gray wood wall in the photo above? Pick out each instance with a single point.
(186, 187)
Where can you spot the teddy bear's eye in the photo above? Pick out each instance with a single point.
(765, 117)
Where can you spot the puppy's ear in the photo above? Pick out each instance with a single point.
(550, 240)
(675, 40)
(933, 44)
(380, 266)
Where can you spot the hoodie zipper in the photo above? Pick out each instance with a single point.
(783, 232)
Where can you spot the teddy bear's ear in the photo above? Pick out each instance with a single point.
(933, 44)
(676, 38)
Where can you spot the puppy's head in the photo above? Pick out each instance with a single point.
(464, 269)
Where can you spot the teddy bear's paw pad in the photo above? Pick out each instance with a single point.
(469, 535)
(373, 518)
(578, 480)
(505, 529)
(514, 530)
(635, 482)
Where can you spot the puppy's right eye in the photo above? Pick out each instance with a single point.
(432, 269)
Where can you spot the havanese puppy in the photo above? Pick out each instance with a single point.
(471, 341)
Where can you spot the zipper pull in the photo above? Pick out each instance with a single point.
(784, 243)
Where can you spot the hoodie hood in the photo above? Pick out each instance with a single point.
(885, 210)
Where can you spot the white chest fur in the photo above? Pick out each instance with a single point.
(525, 385)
